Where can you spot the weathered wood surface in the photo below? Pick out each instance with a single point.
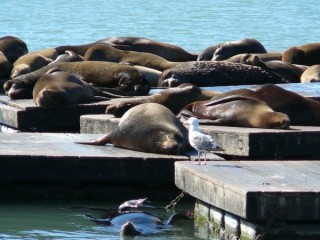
(56, 157)
(298, 142)
(254, 189)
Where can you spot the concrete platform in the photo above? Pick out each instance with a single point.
(253, 190)
(254, 143)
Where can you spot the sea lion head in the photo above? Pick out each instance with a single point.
(273, 120)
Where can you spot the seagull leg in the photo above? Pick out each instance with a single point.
(198, 159)
(205, 159)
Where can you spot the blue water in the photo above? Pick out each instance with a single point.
(192, 25)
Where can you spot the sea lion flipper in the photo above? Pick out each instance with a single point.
(99, 141)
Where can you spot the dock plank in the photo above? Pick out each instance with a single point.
(56, 157)
(253, 189)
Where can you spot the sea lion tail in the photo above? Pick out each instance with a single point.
(99, 141)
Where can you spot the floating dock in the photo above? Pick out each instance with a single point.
(265, 184)
(246, 199)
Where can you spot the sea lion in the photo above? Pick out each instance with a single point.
(226, 50)
(173, 98)
(308, 54)
(112, 77)
(236, 111)
(148, 127)
(311, 74)
(265, 57)
(285, 70)
(103, 52)
(168, 51)
(300, 110)
(6, 66)
(217, 73)
(33, 61)
(56, 88)
(13, 48)
(136, 223)
(68, 56)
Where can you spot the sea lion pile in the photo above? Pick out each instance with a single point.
(129, 66)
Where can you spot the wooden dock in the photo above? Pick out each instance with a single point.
(250, 198)
(40, 160)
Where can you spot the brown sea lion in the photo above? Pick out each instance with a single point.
(148, 127)
(6, 66)
(300, 110)
(33, 61)
(236, 111)
(265, 57)
(56, 88)
(225, 50)
(311, 74)
(207, 73)
(103, 52)
(173, 98)
(112, 77)
(168, 51)
(13, 48)
(285, 70)
(308, 54)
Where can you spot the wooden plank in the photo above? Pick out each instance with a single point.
(254, 189)
(46, 157)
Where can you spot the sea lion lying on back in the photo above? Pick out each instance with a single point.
(148, 127)
(173, 98)
(56, 88)
(237, 111)
(301, 110)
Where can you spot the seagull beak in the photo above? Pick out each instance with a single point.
(218, 149)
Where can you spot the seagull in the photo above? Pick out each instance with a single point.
(201, 142)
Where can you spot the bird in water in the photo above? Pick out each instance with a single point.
(201, 142)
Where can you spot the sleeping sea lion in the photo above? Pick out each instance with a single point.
(206, 74)
(33, 61)
(225, 50)
(307, 54)
(238, 111)
(173, 98)
(103, 52)
(13, 48)
(112, 77)
(300, 110)
(311, 74)
(148, 127)
(56, 88)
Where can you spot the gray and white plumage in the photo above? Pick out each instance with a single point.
(201, 142)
